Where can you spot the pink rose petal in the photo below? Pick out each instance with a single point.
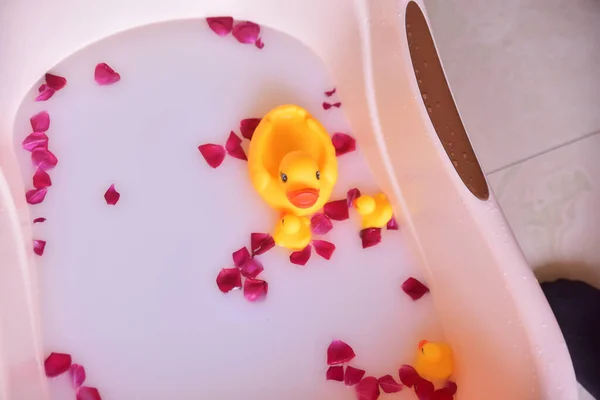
(111, 195)
(408, 375)
(320, 224)
(36, 196)
(414, 288)
(43, 158)
(55, 82)
(39, 246)
(323, 248)
(424, 389)
(41, 179)
(255, 289)
(301, 257)
(352, 195)
(234, 147)
(214, 154)
(248, 126)
(261, 243)
(339, 352)
(368, 389)
(337, 210)
(240, 257)
(39, 220)
(57, 364)
(88, 393)
(44, 93)
(35, 140)
(353, 375)
(77, 374)
(343, 143)
(335, 373)
(259, 44)
(392, 225)
(251, 268)
(370, 237)
(389, 385)
(105, 75)
(246, 32)
(330, 93)
(40, 122)
(229, 279)
(441, 394)
(451, 387)
(222, 26)
(327, 106)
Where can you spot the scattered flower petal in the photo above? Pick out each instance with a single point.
(261, 243)
(39, 219)
(368, 389)
(88, 393)
(77, 374)
(111, 195)
(301, 257)
(327, 106)
(41, 179)
(414, 288)
(337, 210)
(339, 352)
(424, 389)
(214, 154)
(105, 75)
(248, 126)
(44, 93)
(324, 248)
(255, 289)
(392, 224)
(259, 43)
(320, 224)
(55, 82)
(343, 143)
(40, 122)
(352, 195)
(240, 257)
(389, 385)
(330, 93)
(441, 394)
(337, 105)
(229, 279)
(451, 387)
(370, 237)
(222, 26)
(234, 147)
(35, 140)
(251, 268)
(353, 375)
(39, 246)
(43, 158)
(408, 375)
(57, 364)
(335, 373)
(36, 196)
(246, 32)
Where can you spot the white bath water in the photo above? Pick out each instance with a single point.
(129, 290)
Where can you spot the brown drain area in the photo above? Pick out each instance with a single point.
(438, 101)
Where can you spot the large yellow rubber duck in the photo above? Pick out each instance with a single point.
(293, 232)
(375, 211)
(434, 361)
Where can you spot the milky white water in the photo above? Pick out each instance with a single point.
(129, 290)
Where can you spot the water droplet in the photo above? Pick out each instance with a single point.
(425, 64)
(465, 156)
(429, 110)
(471, 181)
(455, 163)
(450, 144)
(407, 26)
(417, 71)
(424, 96)
(438, 105)
(409, 34)
(451, 133)
(420, 81)
(416, 47)
(451, 154)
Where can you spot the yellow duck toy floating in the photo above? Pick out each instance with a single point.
(375, 211)
(434, 361)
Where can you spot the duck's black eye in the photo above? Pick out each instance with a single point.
(283, 177)
(318, 175)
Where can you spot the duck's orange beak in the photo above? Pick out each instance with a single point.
(303, 198)
(422, 343)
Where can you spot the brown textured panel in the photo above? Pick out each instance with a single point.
(439, 103)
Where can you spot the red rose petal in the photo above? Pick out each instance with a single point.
(323, 248)
(105, 75)
(451, 387)
(240, 257)
(77, 374)
(441, 394)
(368, 389)
(353, 375)
(251, 268)
(214, 154)
(320, 224)
(389, 385)
(57, 364)
(424, 389)
(39, 219)
(337, 210)
(343, 143)
(88, 393)
(248, 126)
(234, 147)
(55, 82)
(339, 352)
(35, 140)
(352, 195)
(111, 195)
(326, 105)
(301, 257)
(335, 373)
(370, 237)
(40, 122)
(255, 289)
(337, 105)
(39, 246)
(44, 93)
(330, 92)
(229, 279)
(259, 43)
(408, 375)
(246, 32)
(41, 179)
(392, 224)
(261, 243)
(414, 288)
(222, 26)
(36, 196)
(43, 158)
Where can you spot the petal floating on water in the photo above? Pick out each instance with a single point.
(111, 195)
(222, 26)
(36, 196)
(246, 32)
(229, 279)
(320, 224)
(414, 288)
(335, 373)
(368, 389)
(261, 243)
(77, 374)
(105, 75)
(40, 122)
(323, 248)
(339, 352)
(248, 126)
(337, 210)
(57, 364)
(343, 143)
(55, 82)
(41, 179)
(353, 375)
(214, 154)
(35, 140)
(301, 257)
(255, 289)
(39, 246)
(389, 385)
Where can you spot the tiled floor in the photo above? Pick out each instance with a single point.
(526, 77)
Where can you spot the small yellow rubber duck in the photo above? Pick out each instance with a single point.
(376, 211)
(434, 360)
(293, 232)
